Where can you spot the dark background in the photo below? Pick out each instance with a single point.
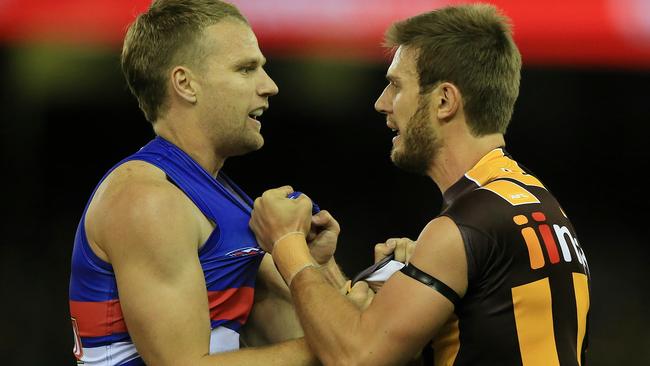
(67, 117)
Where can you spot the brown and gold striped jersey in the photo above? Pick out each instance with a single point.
(527, 299)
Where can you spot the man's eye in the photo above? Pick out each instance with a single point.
(247, 69)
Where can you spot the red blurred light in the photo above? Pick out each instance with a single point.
(577, 32)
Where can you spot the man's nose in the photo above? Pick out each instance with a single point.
(382, 104)
(267, 87)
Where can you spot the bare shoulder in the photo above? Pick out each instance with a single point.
(440, 233)
(137, 201)
(440, 252)
(132, 180)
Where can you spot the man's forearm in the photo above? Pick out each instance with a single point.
(329, 320)
(294, 352)
(333, 274)
(272, 320)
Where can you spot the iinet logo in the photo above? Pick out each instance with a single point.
(561, 233)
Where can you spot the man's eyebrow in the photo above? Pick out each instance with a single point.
(252, 62)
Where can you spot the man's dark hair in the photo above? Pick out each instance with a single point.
(470, 46)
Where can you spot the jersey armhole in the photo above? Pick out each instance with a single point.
(469, 253)
(473, 272)
(210, 242)
(89, 254)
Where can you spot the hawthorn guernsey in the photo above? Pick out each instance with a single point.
(230, 259)
(527, 301)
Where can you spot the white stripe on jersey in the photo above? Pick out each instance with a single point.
(221, 340)
(111, 354)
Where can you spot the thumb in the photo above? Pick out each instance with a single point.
(360, 294)
(318, 219)
(383, 250)
(346, 288)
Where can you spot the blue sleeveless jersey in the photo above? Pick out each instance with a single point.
(230, 259)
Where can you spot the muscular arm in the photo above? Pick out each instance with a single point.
(404, 315)
(273, 318)
(150, 235)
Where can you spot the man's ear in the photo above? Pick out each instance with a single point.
(183, 84)
(448, 99)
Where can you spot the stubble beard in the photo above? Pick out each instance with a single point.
(420, 143)
(237, 141)
(247, 143)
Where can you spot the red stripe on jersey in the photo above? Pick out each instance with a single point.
(231, 304)
(98, 319)
(551, 246)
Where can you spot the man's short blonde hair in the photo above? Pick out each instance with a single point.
(167, 34)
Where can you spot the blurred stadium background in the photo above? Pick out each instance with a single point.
(581, 123)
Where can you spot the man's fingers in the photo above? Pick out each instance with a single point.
(405, 247)
(359, 288)
(321, 218)
(346, 288)
(280, 191)
(284, 190)
(383, 250)
(410, 249)
(370, 295)
(400, 250)
(361, 295)
(325, 219)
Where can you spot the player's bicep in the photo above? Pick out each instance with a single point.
(403, 316)
(160, 281)
(440, 253)
(409, 311)
(273, 318)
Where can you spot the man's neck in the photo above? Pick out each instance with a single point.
(455, 158)
(193, 142)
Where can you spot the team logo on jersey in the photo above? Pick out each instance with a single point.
(245, 252)
(562, 233)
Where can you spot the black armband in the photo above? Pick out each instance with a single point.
(420, 276)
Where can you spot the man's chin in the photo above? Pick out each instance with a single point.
(249, 147)
(408, 164)
(255, 142)
(255, 145)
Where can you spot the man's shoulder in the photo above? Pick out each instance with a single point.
(135, 185)
(137, 195)
(478, 204)
(134, 172)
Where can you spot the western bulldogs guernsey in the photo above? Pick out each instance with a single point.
(230, 259)
(527, 298)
